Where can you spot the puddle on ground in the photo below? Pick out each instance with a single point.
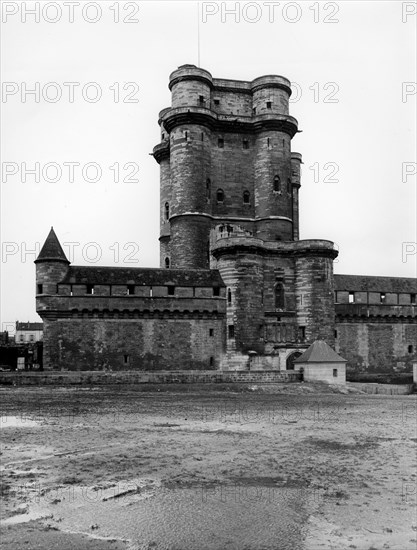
(233, 517)
(18, 422)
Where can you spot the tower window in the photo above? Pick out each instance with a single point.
(126, 359)
(246, 197)
(277, 183)
(163, 135)
(201, 99)
(229, 296)
(217, 102)
(220, 143)
(335, 333)
(289, 185)
(40, 289)
(410, 349)
(269, 104)
(302, 332)
(245, 144)
(171, 290)
(382, 297)
(268, 142)
(186, 135)
(90, 289)
(413, 298)
(166, 263)
(220, 195)
(279, 296)
(216, 291)
(211, 361)
(254, 111)
(202, 136)
(208, 188)
(211, 332)
(130, 290)
(351, 297)
(231, 331)
(166, 211)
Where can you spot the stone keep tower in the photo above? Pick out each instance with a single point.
(229, 201)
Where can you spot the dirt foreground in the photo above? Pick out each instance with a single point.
(213, 467)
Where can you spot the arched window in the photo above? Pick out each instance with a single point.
(167, 263)
(277, 183)
(220, 195)
(279, 296)
(289, 186)
(167, 211)
(246, 197)
(208, 188)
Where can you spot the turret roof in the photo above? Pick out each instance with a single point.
(320, 352)
(52, 249)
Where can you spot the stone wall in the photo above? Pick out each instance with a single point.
(123, 377)
(134, 344)
(370, 345)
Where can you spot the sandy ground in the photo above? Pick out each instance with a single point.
(195, 467)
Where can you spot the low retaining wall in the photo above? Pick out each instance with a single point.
(384, 389)
(141, 377)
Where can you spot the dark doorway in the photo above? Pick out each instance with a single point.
(291, 358)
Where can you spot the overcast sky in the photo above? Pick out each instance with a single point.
(352, 65)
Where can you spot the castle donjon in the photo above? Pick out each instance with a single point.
(237, 288)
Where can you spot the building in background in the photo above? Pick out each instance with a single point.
(28, 332)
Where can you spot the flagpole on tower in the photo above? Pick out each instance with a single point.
(198, 34)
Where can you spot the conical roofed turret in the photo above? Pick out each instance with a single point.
(52, 250)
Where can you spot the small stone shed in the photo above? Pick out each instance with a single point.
(321, 363)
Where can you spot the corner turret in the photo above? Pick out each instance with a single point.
(51, 265)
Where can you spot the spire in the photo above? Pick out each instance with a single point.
(51, 250)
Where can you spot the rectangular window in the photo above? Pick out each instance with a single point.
(351, 297)
(269, 105)
(216, 291)
(302, 332)
(217, 102)
(130, 290)
(335, 333)
(126, 359)
(231, 331)
(413, 298)
(171, 290)
(90, 289)
(201, 99)
(211, 332)
(40, 289)
(382, 297)
(220, 143)
(245, 144)
(335, 373)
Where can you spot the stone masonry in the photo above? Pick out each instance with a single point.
(236, 289)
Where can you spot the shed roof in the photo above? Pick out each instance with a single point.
(320, 352)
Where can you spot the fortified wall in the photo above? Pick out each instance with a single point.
(237, 289)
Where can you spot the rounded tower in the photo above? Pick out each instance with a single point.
(272, 162)
(51, 266)
(185, 190)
